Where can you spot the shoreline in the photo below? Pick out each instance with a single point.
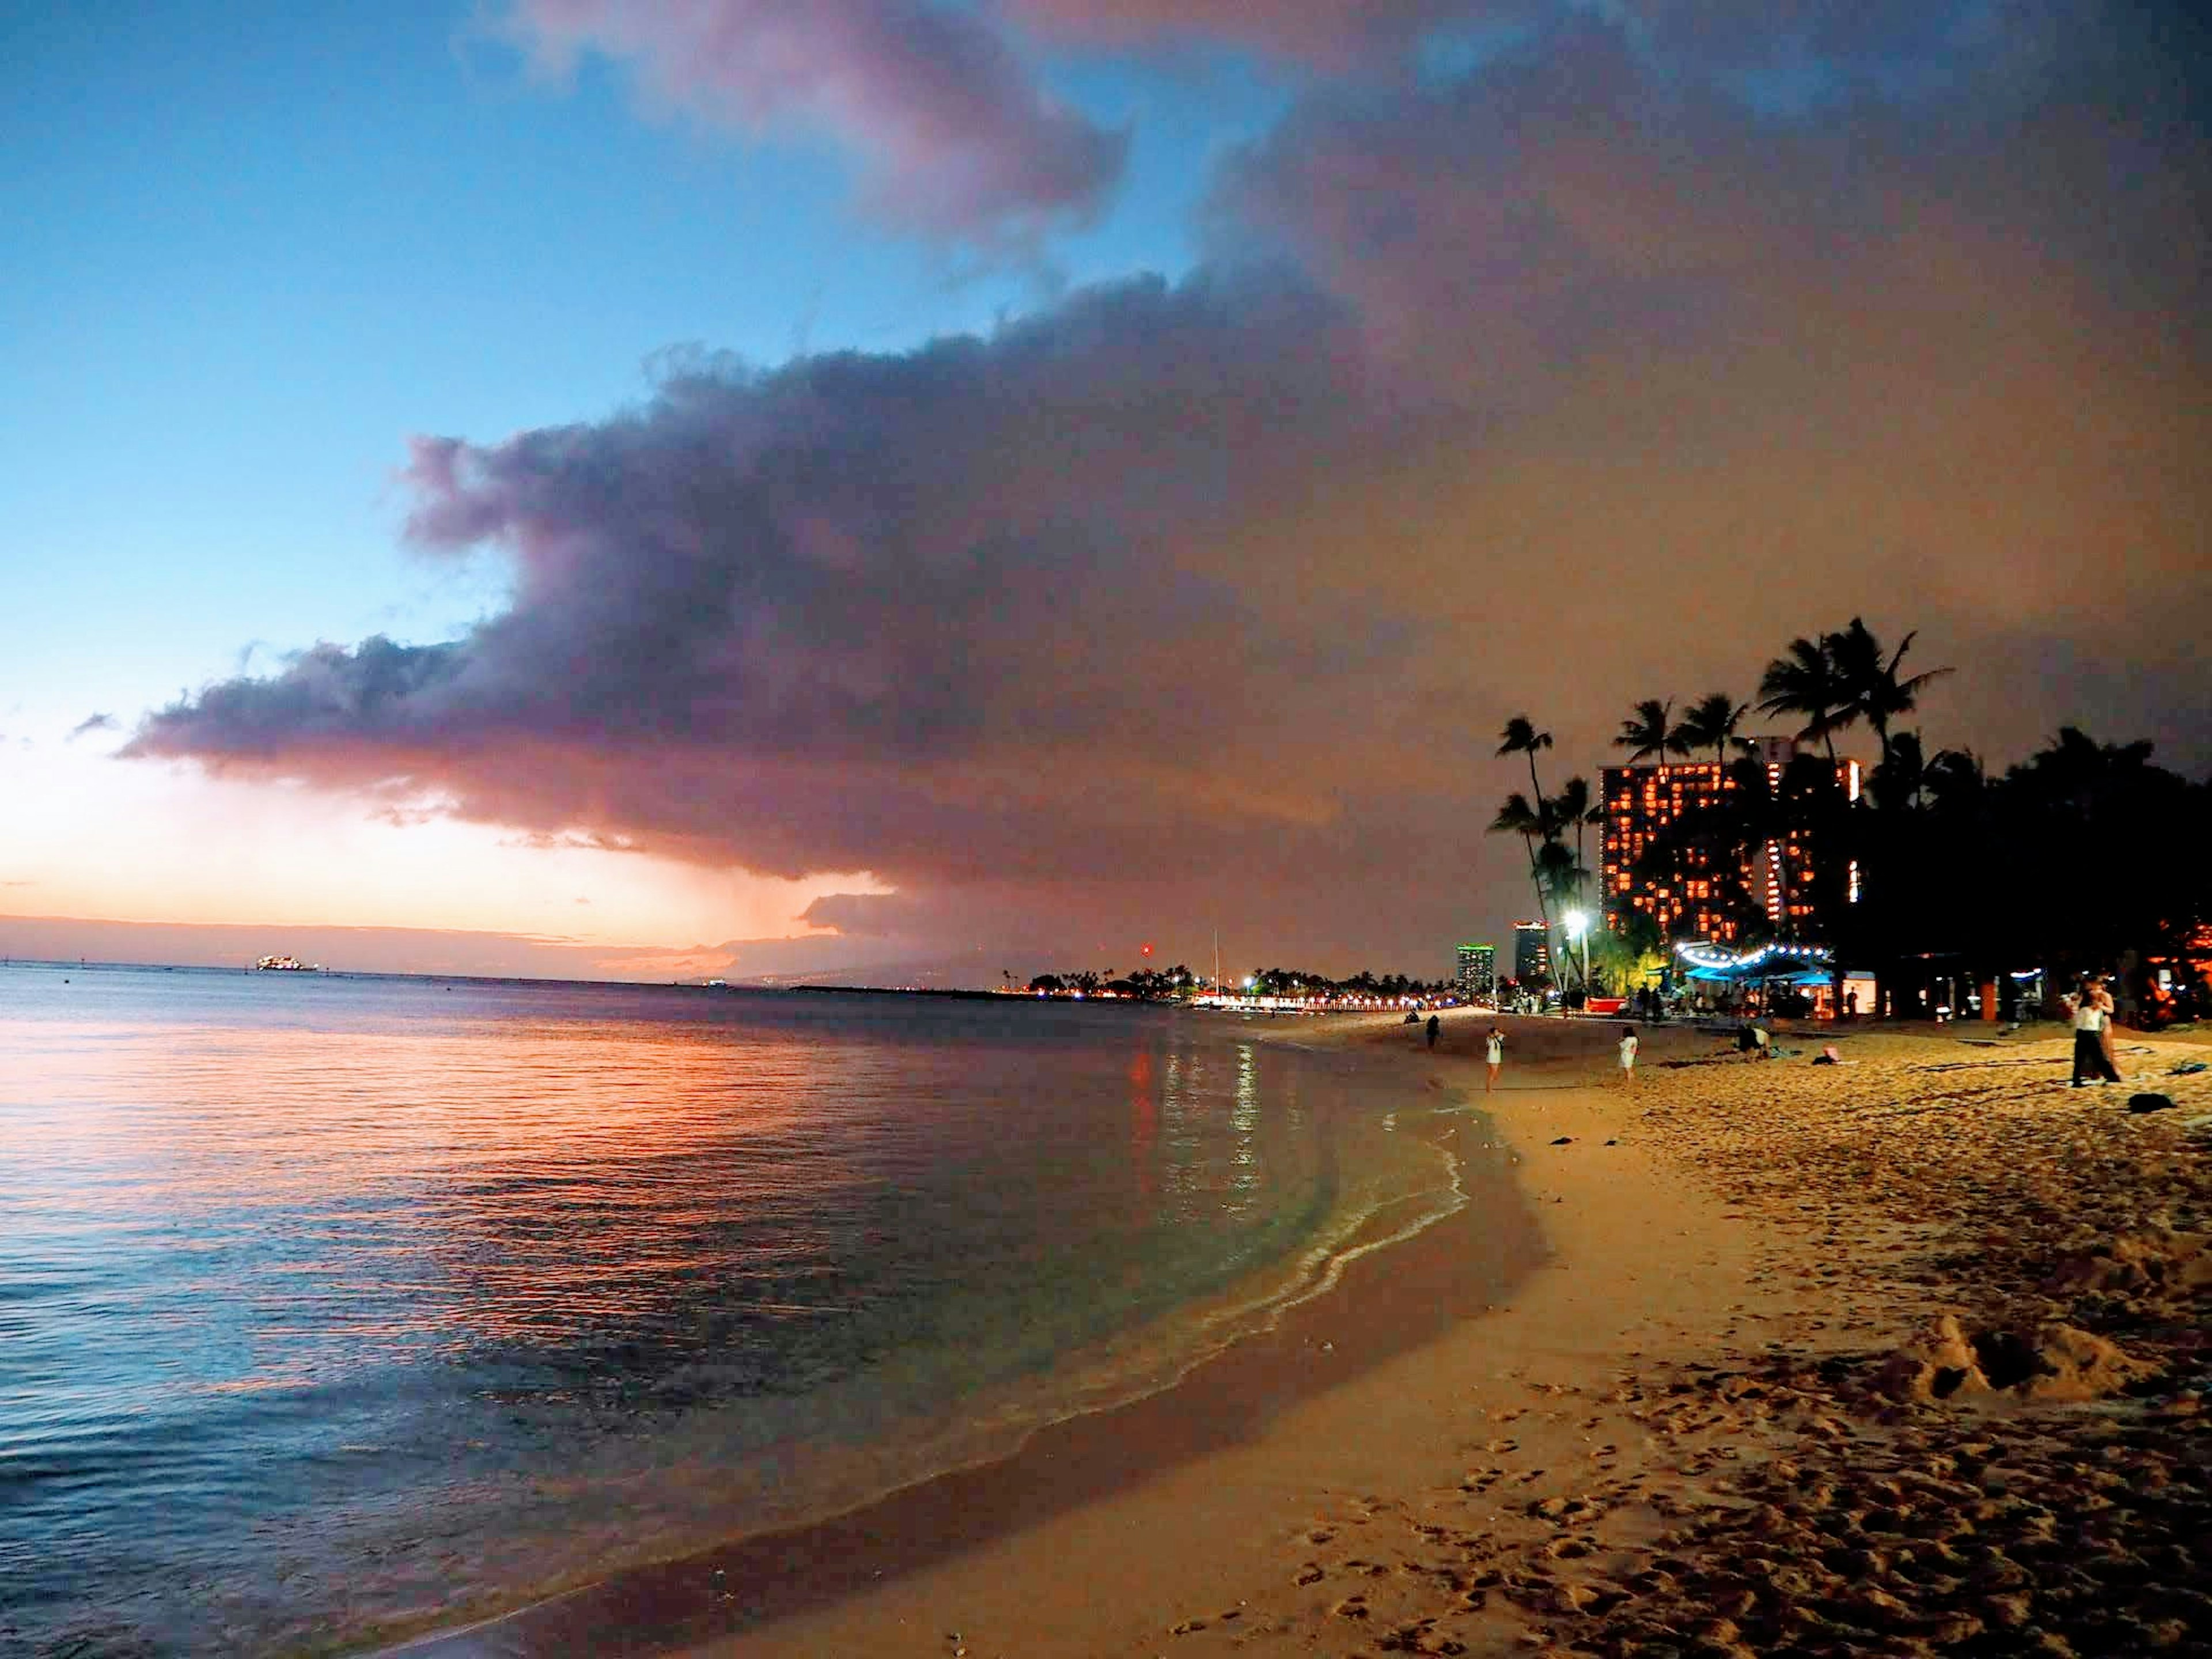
(1737, 1266)
(1193, 1546)
(1150, 1485)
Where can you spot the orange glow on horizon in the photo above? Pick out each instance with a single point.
(124, 841)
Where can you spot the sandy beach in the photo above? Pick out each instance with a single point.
(1901, 1355)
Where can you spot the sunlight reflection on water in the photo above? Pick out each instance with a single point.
(300, 1274)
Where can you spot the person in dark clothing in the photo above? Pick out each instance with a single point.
(1434, 1025)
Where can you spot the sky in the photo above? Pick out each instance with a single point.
(903, 488)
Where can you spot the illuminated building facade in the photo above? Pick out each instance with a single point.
(1532, 953)
(1477, 969)
(1692, 903)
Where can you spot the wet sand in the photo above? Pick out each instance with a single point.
(1725, 1414)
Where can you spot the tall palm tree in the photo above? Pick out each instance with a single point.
(1647, 733)
(1872, 689)
(1517, 817)
(1521, 737)
(1561, 874)
(1804, 681)
(1709, 723)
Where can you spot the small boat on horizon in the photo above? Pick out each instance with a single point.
(286, 965)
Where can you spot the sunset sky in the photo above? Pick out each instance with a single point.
(733, 486)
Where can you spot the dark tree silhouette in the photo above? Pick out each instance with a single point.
(1647, 734)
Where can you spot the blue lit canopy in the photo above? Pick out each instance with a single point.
(1795, 965)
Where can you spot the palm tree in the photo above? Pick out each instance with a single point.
(1956, 780)
(1517, 817)
(1521, 737)
(1709, 723)
(1901, 778)
(1871, 687)
(1573, 806)
(1805, 681)
(1559, 876)
(1646, 732)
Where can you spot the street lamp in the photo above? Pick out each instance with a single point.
(1578, 928)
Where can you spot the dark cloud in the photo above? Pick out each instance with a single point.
(1576, 379)
(91, 723)
(955, 133)
(954, 617)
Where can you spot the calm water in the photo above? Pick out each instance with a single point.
(326, 1303)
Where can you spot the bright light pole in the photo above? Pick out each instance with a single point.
(1578, 928)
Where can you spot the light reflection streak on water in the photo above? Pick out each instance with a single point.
(365, 1192)
(1245, 1117)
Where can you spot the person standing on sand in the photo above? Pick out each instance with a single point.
(1434, 1025)
(2108, 1016)
(1493, 1056)
(1628, 1057)
(2090, 1063)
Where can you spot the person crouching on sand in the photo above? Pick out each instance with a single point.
(1628, 1057)
(1493, 1054)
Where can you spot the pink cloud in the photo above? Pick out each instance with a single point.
(955, 134)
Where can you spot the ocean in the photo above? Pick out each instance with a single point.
(332, 1307)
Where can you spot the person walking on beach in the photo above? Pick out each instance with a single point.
(1493, 1055)
(2090, 1063)
(1435, 1024)
(1628, 1057)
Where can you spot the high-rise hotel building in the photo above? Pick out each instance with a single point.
(1532, 953)
(1641, 801)
(1477, 969)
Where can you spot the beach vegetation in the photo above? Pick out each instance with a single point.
(1709, 723)
(1648, 733)
(1559, 873)
(1627, 957)
(1874, 691)
(1804, 681)
(1521, 737)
